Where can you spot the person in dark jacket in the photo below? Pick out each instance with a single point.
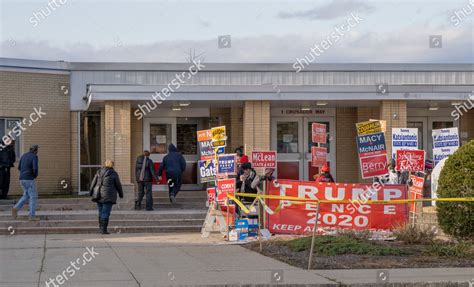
(174, 164)
(144, 174)
(7, 160)
(28, 173)
(108, 183)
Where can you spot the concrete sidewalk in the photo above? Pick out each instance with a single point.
(174, 259)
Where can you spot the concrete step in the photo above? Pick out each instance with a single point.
(111, 229)
(117, 214)
(186, 203)
(19, 223)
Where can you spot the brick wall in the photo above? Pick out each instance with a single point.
(395, 114)
(20, 94)
(224, 119)
(237, 127)
(346, 151)
(118, 137)
(256, 126)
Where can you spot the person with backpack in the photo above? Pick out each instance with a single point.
(174, 164)
(104, 189)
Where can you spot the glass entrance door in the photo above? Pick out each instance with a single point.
(309, 170)
(158, 133)
(287, 140)
(291, 138)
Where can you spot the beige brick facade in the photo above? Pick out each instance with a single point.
(118, 137)
(395, 114)
(20, 94)
(256, 124)
(346, 152)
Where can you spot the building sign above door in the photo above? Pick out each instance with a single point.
(292, 112)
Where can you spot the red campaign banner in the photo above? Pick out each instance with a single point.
(374, 166)
(318, 156)
(416, 190)
(300, 218)
(225, 186)
(264, 159)
(410, 160)
(318, 132)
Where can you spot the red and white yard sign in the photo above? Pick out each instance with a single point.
(211, 195)
(265, 159)
(225, 186)
(416, 190)
(410, 160)
(319, 133)
(318, 156)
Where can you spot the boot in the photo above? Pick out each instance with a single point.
(104, 226)
(138, 205)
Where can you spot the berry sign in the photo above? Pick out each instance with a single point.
(265, 159)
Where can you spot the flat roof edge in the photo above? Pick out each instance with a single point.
(237, 67)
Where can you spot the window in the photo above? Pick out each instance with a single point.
(90, 146)
(287, 137)
(186, 138)
(6, 127)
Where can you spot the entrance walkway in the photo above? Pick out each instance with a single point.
(169, 259)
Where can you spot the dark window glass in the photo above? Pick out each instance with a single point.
(186, 136)
(90, 138)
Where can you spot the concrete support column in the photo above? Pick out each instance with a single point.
(395, 114)
(256, 126)
(118, 141)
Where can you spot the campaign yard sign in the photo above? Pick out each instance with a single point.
(226, 164)
(445, 143)
(211, 195)
(318, 156)
(204, 135)
(224, 187)
(416, 190)
(206, 149)
(207, 171)
(356, 214)
(404, 139)
(265, 159)
(218, 133)
(410, 160)
(318, 132)
(369, 127)
(372, 155)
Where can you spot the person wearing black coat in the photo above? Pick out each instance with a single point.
(7, 160)
(107, 182)
(144, 174)
(174, 164)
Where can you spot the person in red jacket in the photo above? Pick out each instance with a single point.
(324, 175)
(241, 157)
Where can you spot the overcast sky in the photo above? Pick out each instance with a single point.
(260, 31)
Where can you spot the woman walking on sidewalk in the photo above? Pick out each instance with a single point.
(104, 188)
